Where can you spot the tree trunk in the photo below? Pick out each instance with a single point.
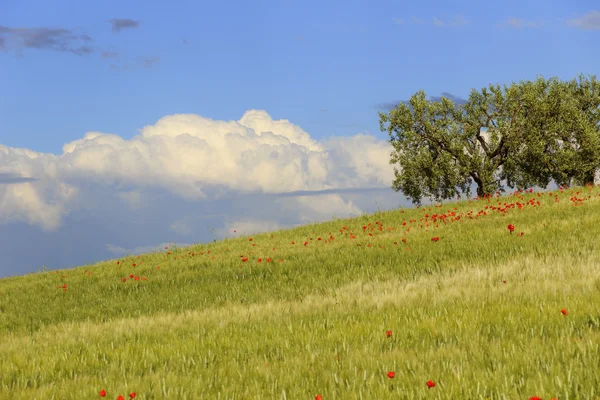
(480, 192)
(479, 183)
(590, 178)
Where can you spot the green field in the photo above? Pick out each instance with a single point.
(304, 312)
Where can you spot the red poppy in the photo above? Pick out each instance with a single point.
(388, 333)
(564, 312)
(535, 398)
(511, 228)
(132, 395)
(250, 239)
(124, 279)
(103, 393)
(259, 260)
(391, 374)
(319, 397)
(430, 384)
(245, 259)
(120, 397)
(435, 239)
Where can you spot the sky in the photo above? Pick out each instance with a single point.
(125, 126)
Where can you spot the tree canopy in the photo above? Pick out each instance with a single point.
(527, 133)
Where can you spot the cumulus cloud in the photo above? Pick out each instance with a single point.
(194, 158)
(590, 21)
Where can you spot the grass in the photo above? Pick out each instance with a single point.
(312, 317)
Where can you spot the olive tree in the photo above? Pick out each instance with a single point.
(525, 134)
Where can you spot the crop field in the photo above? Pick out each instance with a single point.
(491, 298)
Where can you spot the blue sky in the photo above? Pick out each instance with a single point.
(325, 66)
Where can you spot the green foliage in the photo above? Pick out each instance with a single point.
(537, 132)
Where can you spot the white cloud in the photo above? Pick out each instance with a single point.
(192, 157)
(40, 202)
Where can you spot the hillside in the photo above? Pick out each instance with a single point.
(443, 294)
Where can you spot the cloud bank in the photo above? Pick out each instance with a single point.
(186, 178)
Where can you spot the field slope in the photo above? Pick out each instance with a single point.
(480, 312)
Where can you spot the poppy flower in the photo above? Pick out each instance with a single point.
(535, 398)
(245, 259)
(120, 397)
(564, 312)
(388, 333)
(319, 397)
(103, 393)
(511, 228)
(391, 374)
(435, 239)
(430, 384)
(132, 395)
